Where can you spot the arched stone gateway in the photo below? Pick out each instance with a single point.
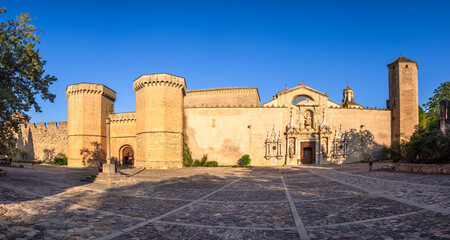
(127, 156)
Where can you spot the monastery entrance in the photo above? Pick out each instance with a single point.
(127, 156)
(308, 151)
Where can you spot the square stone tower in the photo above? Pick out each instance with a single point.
(159, 120)
(88, 106)
(403, 97)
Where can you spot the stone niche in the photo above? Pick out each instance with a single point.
(273, 152)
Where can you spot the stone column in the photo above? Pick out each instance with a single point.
(108, 167)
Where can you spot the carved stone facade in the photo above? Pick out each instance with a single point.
(300, 125)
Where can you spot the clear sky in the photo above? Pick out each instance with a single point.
(263, 44)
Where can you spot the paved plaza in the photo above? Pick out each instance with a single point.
(327, 202)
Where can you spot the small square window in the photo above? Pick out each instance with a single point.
(406, 66)
(393, 67)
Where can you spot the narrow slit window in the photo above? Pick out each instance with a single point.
(213, 123)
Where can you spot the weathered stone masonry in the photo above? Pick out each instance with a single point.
(300, 125)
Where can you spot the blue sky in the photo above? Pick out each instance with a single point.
(263, 44)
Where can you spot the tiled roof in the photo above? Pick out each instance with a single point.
(403, 59)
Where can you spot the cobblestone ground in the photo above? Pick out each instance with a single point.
(332, 202)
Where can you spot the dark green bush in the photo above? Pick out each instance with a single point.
(211, 164)
(204, 159)
(245, 160)
(197, 163)
(21, 166)
(187, 156)
(60, 161)
(397, 151)
(425, 146)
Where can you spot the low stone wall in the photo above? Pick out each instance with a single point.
(422, 168)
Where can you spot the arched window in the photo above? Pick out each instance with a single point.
(300, 98)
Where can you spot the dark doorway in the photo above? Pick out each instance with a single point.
(308, 152)
(127, 156)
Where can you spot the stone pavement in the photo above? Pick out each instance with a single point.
(326, 202)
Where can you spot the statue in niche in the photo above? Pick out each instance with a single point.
(291, 147)
(308, 119)
(325, 147)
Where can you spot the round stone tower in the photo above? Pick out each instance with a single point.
(88, 106)
(159, 120)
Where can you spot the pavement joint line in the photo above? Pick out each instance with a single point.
(298, 221)
(388, 196)
(326, 199)
(244, 201)
(395, 181)
(70, 205)
(366, 220)
(120, 232)
(225, 227)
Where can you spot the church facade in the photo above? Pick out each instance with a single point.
(299, 126)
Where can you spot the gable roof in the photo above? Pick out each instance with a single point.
(403, 59)
(299, 87)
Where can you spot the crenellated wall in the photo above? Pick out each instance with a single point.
(42, 141)
(123, 133)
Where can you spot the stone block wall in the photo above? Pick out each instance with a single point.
(223, 97)
(226, 134)
(43, 141)
(368, 130)
(159, 120)
(123, 134)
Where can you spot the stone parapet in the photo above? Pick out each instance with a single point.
(117, 118)
(160, 79)
(90, 88)
(422, 168)
(232, 96)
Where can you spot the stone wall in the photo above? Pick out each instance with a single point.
(43, 141)
(226, 134)
(123, 133)
(422, 168)
(232, 96)
(368, 130)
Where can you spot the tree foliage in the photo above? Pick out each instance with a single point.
(187, 156)
(21, 76)
(432, 107)
(428, 144)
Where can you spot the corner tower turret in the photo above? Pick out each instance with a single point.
(88, 106)
(403, 97)
(159, 120)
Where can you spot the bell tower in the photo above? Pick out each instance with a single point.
(403, 97)
(348, 95)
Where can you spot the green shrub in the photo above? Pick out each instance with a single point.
(245, 160)
(204, 159)
(211, 164)
(21, 166)
(425, 146)
(397, 151)
(197, 163)
(60, 161)
(187, 156)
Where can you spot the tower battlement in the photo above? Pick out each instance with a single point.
(90, 88)
(159, 79)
